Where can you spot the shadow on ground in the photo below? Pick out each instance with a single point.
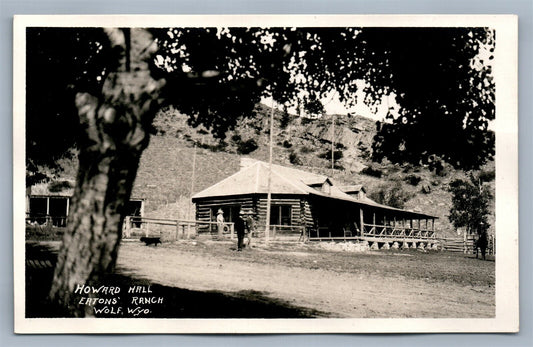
(176, 302)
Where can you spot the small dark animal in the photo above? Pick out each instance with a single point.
(151, 240)
(482, 244)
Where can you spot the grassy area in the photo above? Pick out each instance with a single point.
(431, 266)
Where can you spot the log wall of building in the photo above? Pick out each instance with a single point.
(204, 206)
(257, 205)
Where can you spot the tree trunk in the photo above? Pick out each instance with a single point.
(115, 132)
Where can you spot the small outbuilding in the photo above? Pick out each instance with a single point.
(49, 203)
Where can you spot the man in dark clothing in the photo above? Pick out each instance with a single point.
(482, 243)
(239, 228)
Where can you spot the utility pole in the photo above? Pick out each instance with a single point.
(269, 193)
(332, 142)
(192, 180)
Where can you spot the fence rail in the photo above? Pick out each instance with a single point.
(171, 229)
(44, 220)
(466, 245)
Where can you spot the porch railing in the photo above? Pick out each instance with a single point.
(389, 231)
(46, 220)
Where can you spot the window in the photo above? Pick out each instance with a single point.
(280, 215)
(38, 207)
(58, 210)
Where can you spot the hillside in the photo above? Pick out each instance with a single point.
(165, 173)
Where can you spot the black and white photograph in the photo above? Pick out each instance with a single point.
(265, 174)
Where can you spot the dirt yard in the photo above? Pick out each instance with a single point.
(333, 283)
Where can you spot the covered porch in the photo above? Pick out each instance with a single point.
(337, 219)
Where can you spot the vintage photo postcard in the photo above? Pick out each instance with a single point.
(265, 174)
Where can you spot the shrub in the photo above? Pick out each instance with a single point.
(220, 146)
(370, 171)
(305, 149)
(284, 120)
(59, 186)
(305, 120)
(337, 155)
(364, 152)
(294, 159)
(391, 194)
(412, 179)
(487, 175)
(248, 146)
(286, 144)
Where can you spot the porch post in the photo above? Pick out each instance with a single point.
(362, 221)
(48, 218)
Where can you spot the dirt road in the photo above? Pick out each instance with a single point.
(336, 283)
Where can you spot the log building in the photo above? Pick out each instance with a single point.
(312, 205)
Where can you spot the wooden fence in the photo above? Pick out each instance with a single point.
(466, 245)
(175, 229)
(170, 229)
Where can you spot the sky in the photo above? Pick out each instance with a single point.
(333, 105)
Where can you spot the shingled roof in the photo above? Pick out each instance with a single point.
(253, 179)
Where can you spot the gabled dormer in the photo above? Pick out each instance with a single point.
(356, 191)
(324, 187)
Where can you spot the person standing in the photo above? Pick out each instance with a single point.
(220, 222)
(250, 228)
(240, 225)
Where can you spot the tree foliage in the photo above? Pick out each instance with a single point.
(391, 194)
(442, 83)
(60, 62)
(445, 91)
(216, 76)
(470, 204)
